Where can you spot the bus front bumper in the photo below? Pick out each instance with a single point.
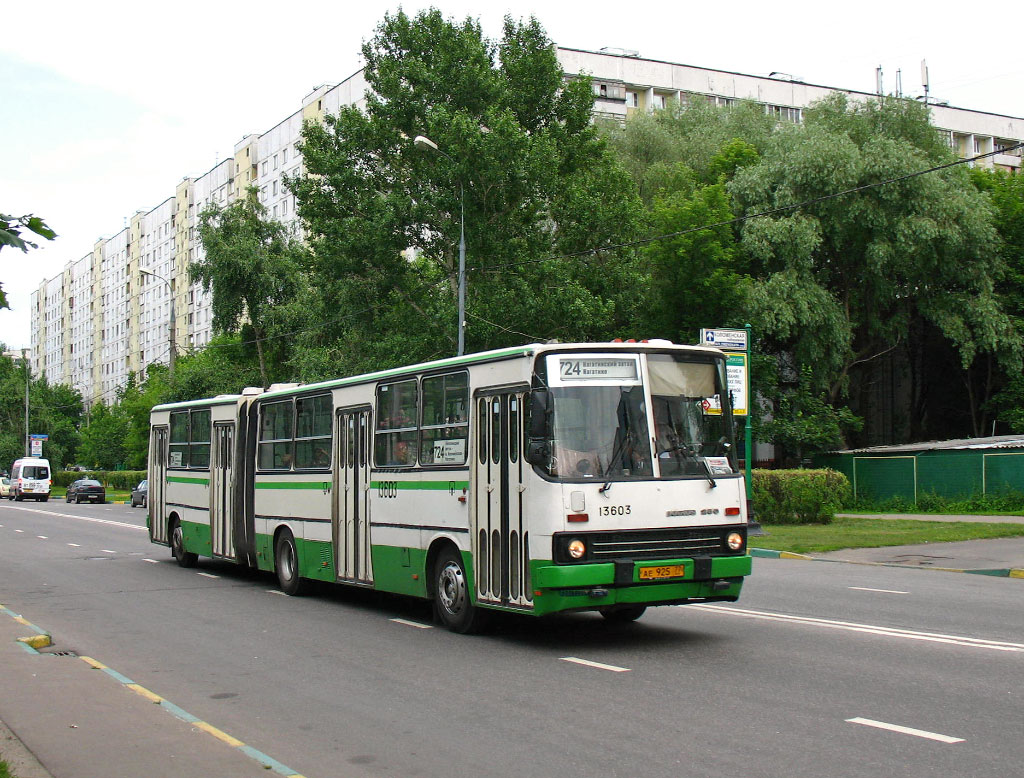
(593, 586)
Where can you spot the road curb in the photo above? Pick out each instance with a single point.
(999, 572)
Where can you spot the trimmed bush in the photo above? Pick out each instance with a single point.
(124, 480)
(799, 496)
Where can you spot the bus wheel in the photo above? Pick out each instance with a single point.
(286, 562)
(622, 614)
(451, 595)
(185, 558)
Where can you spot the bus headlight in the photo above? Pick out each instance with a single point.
(577, 548)
(734, 541)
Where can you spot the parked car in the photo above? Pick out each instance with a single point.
(30, 478)
(5, 487)
(140, 494)
(86, 489)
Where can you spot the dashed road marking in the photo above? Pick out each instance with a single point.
(42, 537)
(107, 551)
(207, 575)
(75, 545)
(598, 665)
(408, 623)
(276, 591)
(151, 561)
(883, 591)
(906, 730)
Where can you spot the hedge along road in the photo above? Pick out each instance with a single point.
(347, 683)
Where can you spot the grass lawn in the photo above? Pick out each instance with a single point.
(870, 533)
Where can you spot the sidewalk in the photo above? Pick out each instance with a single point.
(1003, 557)
(64, 717)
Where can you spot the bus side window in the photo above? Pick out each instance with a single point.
(444, 428)
(395, 438)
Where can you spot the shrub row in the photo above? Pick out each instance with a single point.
(112, 479)
(799, 496)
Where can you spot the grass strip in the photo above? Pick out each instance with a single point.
(846, 532)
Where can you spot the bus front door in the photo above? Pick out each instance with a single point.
(156, 501)
(500, 534)
(221, 495)
(351, 503)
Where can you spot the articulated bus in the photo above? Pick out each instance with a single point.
(535, 479)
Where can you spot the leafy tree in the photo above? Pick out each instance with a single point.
(1006, 194)
(251, 265)
(898, 269)
(103, 444)
(11, 229)
(522, 159)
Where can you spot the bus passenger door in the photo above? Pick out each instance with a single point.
(157, 499)
(222, 491)
(351, 505)
(500, 533)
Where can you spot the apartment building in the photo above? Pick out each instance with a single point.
(103, 319)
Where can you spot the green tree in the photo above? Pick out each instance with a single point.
(11, 230)
(103, 444)
(1006, 194)
(251, 265)
(524, 161)
(905, 269)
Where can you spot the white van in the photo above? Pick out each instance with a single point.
(30, 477)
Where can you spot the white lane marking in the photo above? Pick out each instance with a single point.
(151, 561)
(42, 537)
(75, 545)
(906, 730)
(107, 551)
(598, 665)
(883, 591)
(208, 575)
(19, 530)
(894, 632)
(79, 518)
(275, 591)
(412, 624)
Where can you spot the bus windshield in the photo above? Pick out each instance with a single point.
(615, 420)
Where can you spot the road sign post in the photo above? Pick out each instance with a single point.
(737, 346)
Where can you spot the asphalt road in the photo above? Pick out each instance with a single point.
(821, 668)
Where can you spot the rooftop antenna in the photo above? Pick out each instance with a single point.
(899, 83)
(924, 79)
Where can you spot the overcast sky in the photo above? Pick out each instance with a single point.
(107, 105)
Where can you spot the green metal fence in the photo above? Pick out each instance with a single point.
(954, 473)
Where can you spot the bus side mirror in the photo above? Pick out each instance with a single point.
(538, 452)
(539, 401)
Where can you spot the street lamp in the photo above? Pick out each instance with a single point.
(170, 289)
(424, 142)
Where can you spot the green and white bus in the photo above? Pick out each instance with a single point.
(536, 479)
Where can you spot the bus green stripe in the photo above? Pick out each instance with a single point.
(422, 485)
(319, 485)
(177, 479)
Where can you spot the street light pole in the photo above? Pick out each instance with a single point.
(170, 290)
(424, 142)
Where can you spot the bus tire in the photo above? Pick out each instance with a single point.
(184, 558)
(623, 614)
(286, 564)
(452, 602)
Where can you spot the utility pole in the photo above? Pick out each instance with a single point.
(24, 362)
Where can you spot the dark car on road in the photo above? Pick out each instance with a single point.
(140, 493)
(86, 489)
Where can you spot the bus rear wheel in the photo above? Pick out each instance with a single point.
(623, 614)
(184, 558)
(286, 562)
(452, 601)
